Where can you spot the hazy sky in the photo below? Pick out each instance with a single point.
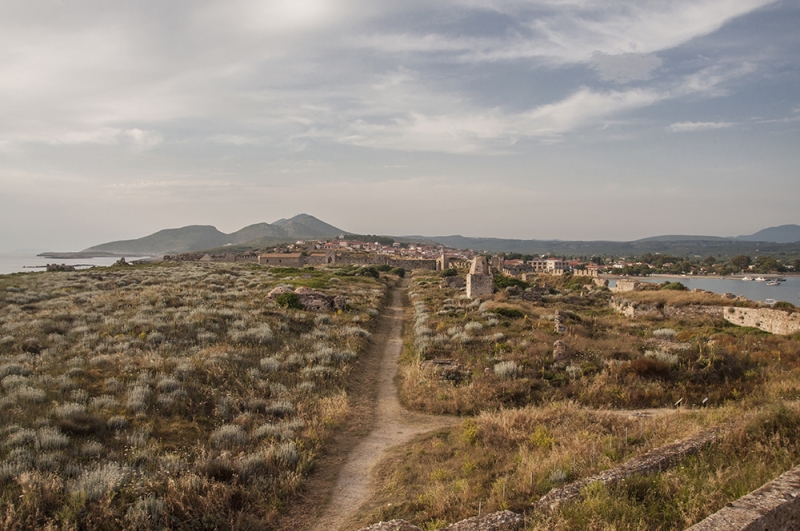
(568, 119)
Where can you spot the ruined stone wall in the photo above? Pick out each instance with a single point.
(411, 263)
(767, 319)
(776, 505)
(499, 521)
(479, 285)
(659, 459)
(625, 284)
(636, 309)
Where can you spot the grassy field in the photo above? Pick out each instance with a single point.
(503, 352)
(508, 459)
(173, 396)
(538, 418)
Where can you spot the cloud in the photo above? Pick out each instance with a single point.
(688, 127)
(624, 68)
(144, 139)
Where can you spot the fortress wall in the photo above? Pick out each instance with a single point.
(767, 319)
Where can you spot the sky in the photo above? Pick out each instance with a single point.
(538, 119)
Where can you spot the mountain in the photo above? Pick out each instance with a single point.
(179, 240)
(310, 223)
(779, 234)
(201, 237)
(681, 238)
(718, 247)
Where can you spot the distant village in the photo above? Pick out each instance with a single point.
(345, 250)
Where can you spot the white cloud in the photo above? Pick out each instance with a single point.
(687, 127)
(144, 139)
(624, 68)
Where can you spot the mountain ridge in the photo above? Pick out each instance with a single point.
(194, 238)
(201, 237)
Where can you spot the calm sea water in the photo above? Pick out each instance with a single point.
(788, 291)
(30, 263)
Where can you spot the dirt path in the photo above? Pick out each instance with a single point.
(392, 424)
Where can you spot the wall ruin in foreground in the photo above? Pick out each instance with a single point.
(774, 506)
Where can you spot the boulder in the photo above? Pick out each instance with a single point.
(280, 290)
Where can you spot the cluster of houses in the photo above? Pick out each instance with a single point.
(341, 250)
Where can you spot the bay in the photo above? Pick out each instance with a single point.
(10, 263)
(788, 291)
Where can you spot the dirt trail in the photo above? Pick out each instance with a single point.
(392, 424)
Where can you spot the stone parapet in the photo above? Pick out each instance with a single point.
(774, 506)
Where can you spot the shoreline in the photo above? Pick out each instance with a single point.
(704, 277)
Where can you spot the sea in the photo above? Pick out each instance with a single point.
(19, 263)
(788, 291)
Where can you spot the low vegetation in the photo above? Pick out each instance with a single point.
(169, 395)
(507, 350)
(509, 459)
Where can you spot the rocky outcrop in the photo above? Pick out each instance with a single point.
(776, 505)
(312, 300)
(767, 319)
(499, 521)
(391, 525)
(653, 461)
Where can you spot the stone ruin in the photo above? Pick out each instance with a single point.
(312, 300)
(480, 281)
(532, 295)
(499, 521)
(626, 284)
(560, 351)
(447, 370)
(454, 282)
(558, 321)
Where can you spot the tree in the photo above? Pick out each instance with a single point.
(796, 264)
(741, 262)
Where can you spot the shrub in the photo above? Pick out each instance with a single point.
(502, 282)
(384, 268)
(270, 364)
(289, 300)
(665, 332)
(510, 313)
(228, 436)
(399, 271)
(507, 370)
(452, 272)
(369, 271)
(96, 483)
(649, 368)
(677, 286)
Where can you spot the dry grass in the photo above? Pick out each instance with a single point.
(611, 361)
(168, 395)
(510, 458)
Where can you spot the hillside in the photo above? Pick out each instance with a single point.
(779, 234)
(201, 237)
